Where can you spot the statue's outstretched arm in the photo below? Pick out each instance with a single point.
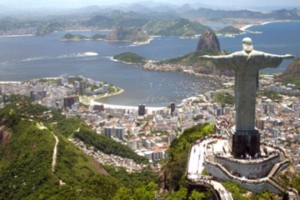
(220, 57)
(286, 56)
(273, 60)
(221, 61)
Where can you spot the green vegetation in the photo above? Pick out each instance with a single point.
(266, 195)
(191, 59)
(93, 87)
(179, 151)
(75, 127)
(229, 30)
(48, 28)
(236, 190)
(116, 18)
(269, 94)
(145, 192)
(106, 145)
(71, 37)
(129, 57)
(132, 180)
(290, 78)
(127, 35)
(83, 177)
(198, 101)
(98, 37)
(199, 65)
(71, 80)
(50, 81)
(26, 156)
(37, 27)
(181, 27)
(154, 22)
(224, 98)
(9, 23)
(296, 182)
(291, 74)
(196, 195)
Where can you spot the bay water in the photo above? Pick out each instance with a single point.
(25, 58)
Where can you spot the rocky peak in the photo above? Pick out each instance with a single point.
(208, 40)
(294, 67)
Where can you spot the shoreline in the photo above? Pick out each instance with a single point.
(93, 102)
(84, 30)
(245, 27)
(7, 36)
(93, 98)
(142, 43)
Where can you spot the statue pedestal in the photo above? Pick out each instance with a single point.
(245, 143)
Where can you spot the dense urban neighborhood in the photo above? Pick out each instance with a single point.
(150, 131)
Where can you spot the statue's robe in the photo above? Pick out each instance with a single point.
(246, 67)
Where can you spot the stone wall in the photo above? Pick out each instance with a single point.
(255, 186)
(259, 168)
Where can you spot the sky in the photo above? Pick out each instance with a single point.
(83, 3)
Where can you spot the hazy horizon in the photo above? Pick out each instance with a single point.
(242, 4)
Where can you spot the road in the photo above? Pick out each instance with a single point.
(54, 152)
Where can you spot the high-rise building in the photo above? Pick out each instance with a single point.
(172, 106)
(260, 124)
(99, 107)
(82, 86)
(69, 101)
(141, 109)
(108, 131)
(119, 132)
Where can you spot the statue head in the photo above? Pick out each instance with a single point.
(247, 44)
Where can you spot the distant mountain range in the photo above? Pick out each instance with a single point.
(188, 11)
(163, 20)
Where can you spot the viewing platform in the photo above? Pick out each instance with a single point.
(213, 156)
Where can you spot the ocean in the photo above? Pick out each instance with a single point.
(24, 58)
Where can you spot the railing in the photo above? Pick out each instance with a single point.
(277, 167)
(229, 176)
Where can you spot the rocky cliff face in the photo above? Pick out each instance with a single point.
(294, 67)
(208, 40)
(291, 74)
(207, 44)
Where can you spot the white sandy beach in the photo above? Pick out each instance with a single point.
(244, 28)
(5, 36)
(93, 102)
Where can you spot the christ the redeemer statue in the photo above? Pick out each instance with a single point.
(246, 64)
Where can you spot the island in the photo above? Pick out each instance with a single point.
(130, 58)
(229, 31)
(71, 37)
